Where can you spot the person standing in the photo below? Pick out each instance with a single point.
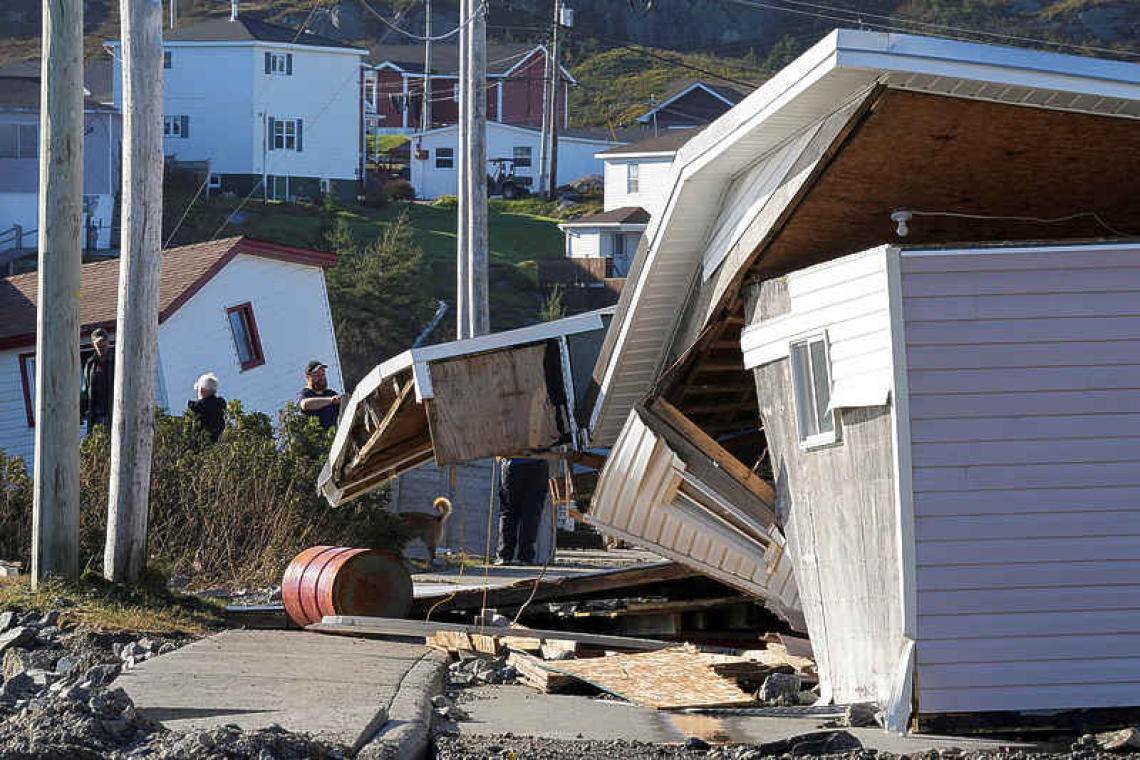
(316, 399)
(522, 495)
(96, 394)
(209, 408)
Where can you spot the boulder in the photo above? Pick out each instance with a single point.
(860, 715)
(18, 660)
(20, 636)
(780, 689)
(7, 620)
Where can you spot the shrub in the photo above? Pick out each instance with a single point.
(399, 190)
(375, 198)
(235, 512)
(449, 202)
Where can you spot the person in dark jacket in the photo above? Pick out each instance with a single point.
(210, 408)
(316, 399)
(96, 394)
(522, 495)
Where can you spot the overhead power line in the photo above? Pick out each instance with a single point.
(482, 8)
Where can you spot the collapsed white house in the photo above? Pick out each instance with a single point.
(940, 424)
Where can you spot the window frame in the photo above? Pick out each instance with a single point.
(257, 354)
(450, 158)
(167, 59)
(280, 126)
(632, 178)
(280, 64)
(20, 150)
(516, 150)
(173, 127)
(809, 432)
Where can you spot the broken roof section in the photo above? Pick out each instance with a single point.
(841, 73)
(508, 393)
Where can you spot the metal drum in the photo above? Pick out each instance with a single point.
(335, 580)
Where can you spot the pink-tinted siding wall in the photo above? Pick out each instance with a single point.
(1024, 375)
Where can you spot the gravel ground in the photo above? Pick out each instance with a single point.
(58, 701)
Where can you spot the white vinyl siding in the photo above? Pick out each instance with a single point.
(848, 299)
(1024, 375)
(652, 177)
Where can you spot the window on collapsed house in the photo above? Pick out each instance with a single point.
(522, 155)
(445, 158)
(632, 178)
(811, 383)
(246, 340)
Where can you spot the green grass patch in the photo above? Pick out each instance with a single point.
(104, 606)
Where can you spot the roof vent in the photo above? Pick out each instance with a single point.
(233, 10)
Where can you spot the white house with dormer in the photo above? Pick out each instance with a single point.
(275, 112)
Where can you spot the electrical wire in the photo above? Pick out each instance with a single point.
(1032, 219)
(419, 37)
(858, 16)
(186, 212)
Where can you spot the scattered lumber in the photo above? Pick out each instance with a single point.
(669, 679)
(777, 655)
(616, 581)
(532, 672)
(397, 628)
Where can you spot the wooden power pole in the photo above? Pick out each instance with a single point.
(544, 135)
(478, 302)
(555, 86)
(425, 110)
(462, 192)
(55, 508)
(136, 330)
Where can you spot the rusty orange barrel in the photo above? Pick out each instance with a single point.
(335, 580)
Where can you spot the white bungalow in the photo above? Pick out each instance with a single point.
(251, 312)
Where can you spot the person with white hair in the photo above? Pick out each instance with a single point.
(209, 408)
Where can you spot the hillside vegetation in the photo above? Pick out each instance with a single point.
(707, 38)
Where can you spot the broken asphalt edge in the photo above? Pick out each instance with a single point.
(407, 731)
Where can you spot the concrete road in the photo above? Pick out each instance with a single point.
(527, 712)
(337, 688)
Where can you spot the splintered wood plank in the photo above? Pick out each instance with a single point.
(532, 672)
(669, 679)
(491, 404)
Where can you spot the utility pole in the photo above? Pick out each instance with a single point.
(462, 192)
(136, 329)
(55, 491)
(555, 86)
(478, 303)
(425, 111)
(173, 13)
(544, 135)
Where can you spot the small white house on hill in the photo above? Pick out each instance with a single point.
(251, 312)
(434, 166)
(275, 111)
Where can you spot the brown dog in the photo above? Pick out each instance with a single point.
(429, 525)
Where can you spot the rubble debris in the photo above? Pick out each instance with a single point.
(480, 670)
(9, 569)
(1124, 740)
(861, 715)
(780, 690)
(532, 673)
(777, 654)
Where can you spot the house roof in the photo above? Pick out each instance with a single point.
(839, 71)
(501, 59)
(247, 29)
(730, 95)
(623, 215)
(666, 143)
(185, 270)
(20, 84)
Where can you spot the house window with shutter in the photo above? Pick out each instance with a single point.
(285, 134)
(246, 340)
(280, 64)
(167, 59)
(176, 126)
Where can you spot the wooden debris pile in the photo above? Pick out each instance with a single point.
(669, 677)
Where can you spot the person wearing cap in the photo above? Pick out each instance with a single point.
(96, 393)
(316, 399)
(209, 408)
